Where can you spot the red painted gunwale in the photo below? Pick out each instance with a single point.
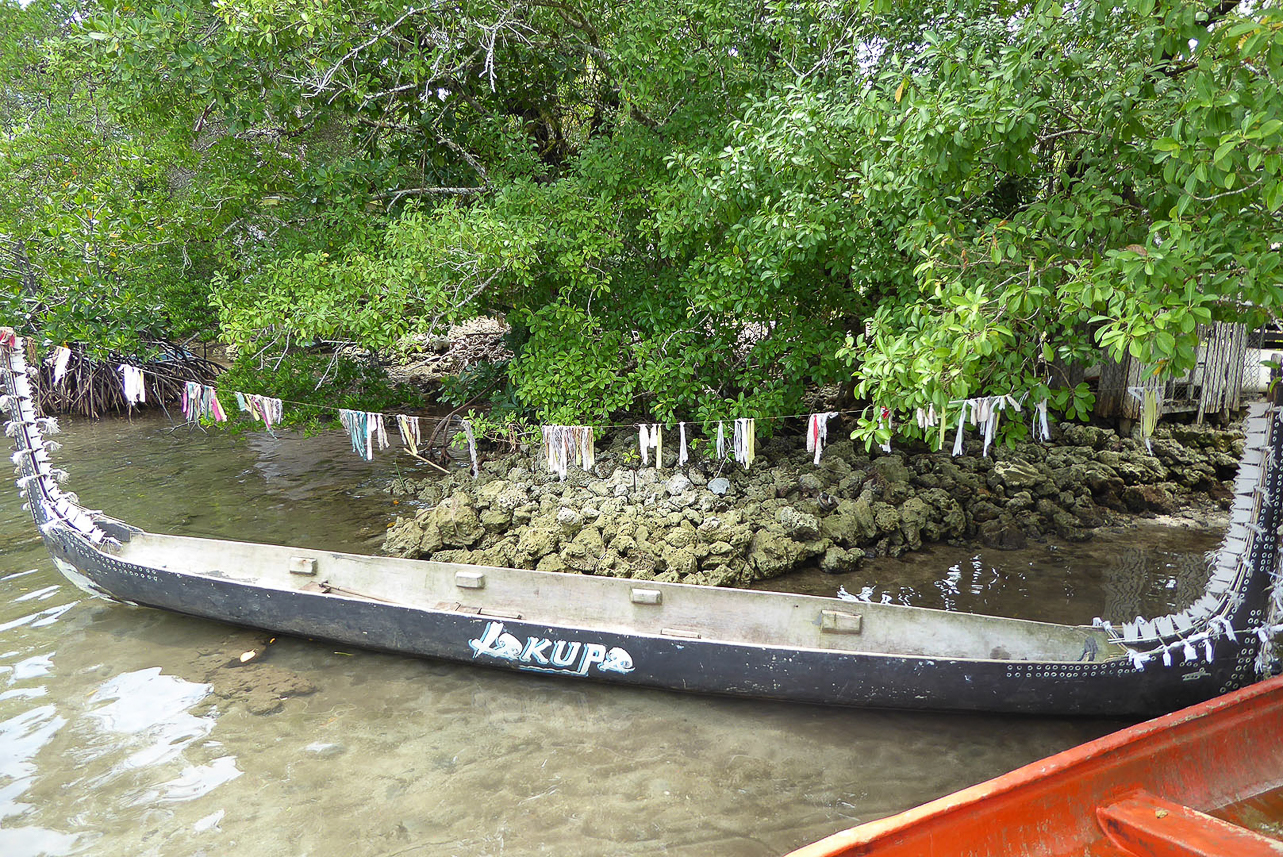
(1206, 757)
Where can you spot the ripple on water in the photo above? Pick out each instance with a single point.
(21, 738)
(32, 667)
(144, 700)
(36, 842)
(145, 724)
(39, 619)
(195, 781)
(146, 713)
(38, 595)
(1147, 569)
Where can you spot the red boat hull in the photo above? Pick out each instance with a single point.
(1140, 791)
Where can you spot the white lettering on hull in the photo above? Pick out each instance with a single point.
(540, 653)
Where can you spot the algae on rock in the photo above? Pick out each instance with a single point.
(723, 526)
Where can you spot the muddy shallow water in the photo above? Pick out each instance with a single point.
(127, 731)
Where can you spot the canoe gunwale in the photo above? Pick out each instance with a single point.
(616, 589)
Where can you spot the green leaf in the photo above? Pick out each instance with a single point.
(1274, 196)
(1270, 128)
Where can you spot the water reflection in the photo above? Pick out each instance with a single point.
(36, 841)
(39, 619)
(150, 711)
(22, 736)
(1143, 569)
(126, 731)
(1144, 578)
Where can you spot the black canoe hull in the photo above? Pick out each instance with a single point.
(1111, 688)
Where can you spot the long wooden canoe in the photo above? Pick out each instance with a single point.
(678, 637)
(1170, 786)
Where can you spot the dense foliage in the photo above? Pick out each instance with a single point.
(691, 208)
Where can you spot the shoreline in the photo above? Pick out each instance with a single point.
(720, 525)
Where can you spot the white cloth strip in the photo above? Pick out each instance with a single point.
(133, 385)
(651, 436)
(472, 445)
(61, 358)
(1041, 432)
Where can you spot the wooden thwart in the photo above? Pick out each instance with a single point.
(1145, 825)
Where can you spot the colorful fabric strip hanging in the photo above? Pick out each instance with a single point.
(584, 448)
(201, 402)
(988, 422)
(884, 419)
(928, 419)
(351, 424)
(994, 405)
(556, 442)
(745, 442)
(966, 407)
(359, 426)
(409, 429)
(1149, 418)
(215, 406)
(563, 444)
(984, 413)
(1148, 398)
(817, 432)
(367, 437)
(263, 408)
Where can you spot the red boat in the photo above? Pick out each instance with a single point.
(1206, 781)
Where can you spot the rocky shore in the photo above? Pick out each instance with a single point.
(719, 525)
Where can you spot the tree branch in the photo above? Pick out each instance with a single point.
(393, 196)
(324, 82)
